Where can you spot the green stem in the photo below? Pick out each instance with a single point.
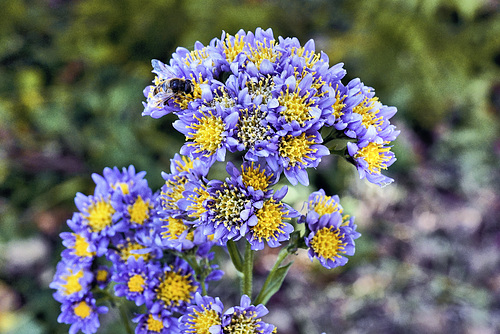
(246, 284)
(235, 255)
(124, 316)
(281, 257)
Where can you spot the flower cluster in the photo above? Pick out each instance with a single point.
(271, 99)
(268, 102)
(114, 238)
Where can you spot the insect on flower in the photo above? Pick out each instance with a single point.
(167, 85)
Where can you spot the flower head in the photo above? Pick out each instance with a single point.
(370, 159)
(72, 281)
(82, 315)
(331, 235)
(246, 318)
(156, 321)
(177, 286)
(204, 316)
(136, 280)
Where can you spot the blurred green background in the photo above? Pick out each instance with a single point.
(72, 75)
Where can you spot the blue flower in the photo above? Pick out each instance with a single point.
(204, 316)
(72, 281)
(136, 280)
(370, 159)
(209, 133)
(331, 235)
(155, 321)
(82, 315)
(176, 288)
(246, 318)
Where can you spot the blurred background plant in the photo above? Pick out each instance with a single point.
(428, 261)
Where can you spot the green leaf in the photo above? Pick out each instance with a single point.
(274, 282)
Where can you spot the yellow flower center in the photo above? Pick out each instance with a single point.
(310, 57)
(154, 325)
(261, 52)
(324, 205)
(369, 112)
(197, 209)
(72, 282)
(228, 204)
(174, 228)
(328, 243)
(207, 133)
(233, 48)
(139, 211)
(127, 250)
(196, 57)
(202, 321)
(175, 288)
(186, 165)
(136, 283)
(297, 109)
(81, 246)
(102, 275)
(123, 186)
(338, 106)
(296, 149)
(375, 155)
(269, 220)
(245, 323)
(83, 310)
(100, 215)
(254, 177)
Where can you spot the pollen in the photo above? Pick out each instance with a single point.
(175, 288)
(255, 178)
(196, 57)
(375, 155)
(196, 210)
(123, 186)
(207, 134)
(174, 192)
(327, 243)
(136, 283)
(154, 325)
(228, 204)
(261, 52)
(311, 58)
(186, 165)
(233, 48)
(81, 246)
(139, 211)
(338, 105)
(128, 250)
(82, 310)
(324, 205)
(100, 215)
(244, 323)
(269, 220)
(369, 112)
(296, 149)
(72, 282)
(296, 107)
(102, 275)
(201, 322)
(250, 128)
(174, 229)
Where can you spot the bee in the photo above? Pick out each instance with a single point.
(168, 85)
